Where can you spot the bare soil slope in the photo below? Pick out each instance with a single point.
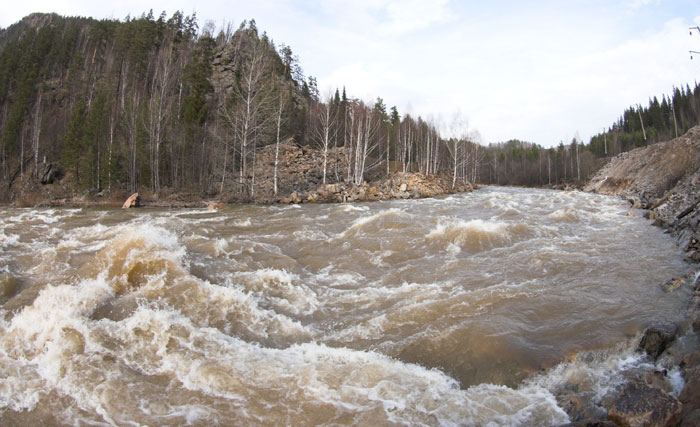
(645, 174)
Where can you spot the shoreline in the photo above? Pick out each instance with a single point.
(398, 186)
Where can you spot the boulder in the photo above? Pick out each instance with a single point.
(132, 202)
(690, 396)
(52, 172)
(215, 206)
(581, 408)
(657, 338)
(591, 423)
(672, 284)
(639, 404)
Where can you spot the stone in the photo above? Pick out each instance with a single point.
(672, 284)
(591, 423)
(215, 206)
(641, 405)
(52, 172)
(403, 187)
(657, 379)
(690, 395)
(691, 420)
(657, 338)
(132, 201)
(581, 407)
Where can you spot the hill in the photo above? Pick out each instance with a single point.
(158, 105)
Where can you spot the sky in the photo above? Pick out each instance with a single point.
(540, 71)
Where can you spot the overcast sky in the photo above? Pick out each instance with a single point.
(541, 71)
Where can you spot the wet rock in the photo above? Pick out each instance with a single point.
(132, 202)
(672, 284)
(691, 420)
(641, 405)
(581, 407)
(591, 423)
(215, 206)
(657, 338)
(690, 396)
(657, 379)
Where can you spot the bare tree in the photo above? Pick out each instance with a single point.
(36, 131)
(326, 124)
(248, 110)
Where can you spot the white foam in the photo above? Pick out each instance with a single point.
(362, 221)
(280, 288)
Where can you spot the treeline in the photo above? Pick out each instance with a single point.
(158, 103)
(658, 121)
(522, 163)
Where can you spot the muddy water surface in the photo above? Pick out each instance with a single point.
(438, 311)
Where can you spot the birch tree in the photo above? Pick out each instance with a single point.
(326, 124)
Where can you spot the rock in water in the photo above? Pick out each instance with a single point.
(690, 396)
(132, 201)
(657, 338)
(641, 405)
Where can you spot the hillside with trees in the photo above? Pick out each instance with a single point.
(522, 163)
(162, 105)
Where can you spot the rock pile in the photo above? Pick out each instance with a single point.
(401, 185)
(643, 175)
(300, 179)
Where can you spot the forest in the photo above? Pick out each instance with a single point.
(521, 163)
(159, 103)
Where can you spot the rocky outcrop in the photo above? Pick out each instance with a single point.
(639, 404)
(690, 396)
(656, 338)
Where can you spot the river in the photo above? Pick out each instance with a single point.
(468, 309)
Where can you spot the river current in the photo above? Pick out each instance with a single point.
(471, 309)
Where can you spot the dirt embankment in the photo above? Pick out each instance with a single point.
(664, 179)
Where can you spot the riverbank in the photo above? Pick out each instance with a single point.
(664, 180)
(299, 180)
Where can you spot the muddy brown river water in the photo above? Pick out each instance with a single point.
(470, 309)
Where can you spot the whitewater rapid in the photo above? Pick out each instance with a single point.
(473, 309)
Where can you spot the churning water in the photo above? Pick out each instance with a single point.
(469, 309)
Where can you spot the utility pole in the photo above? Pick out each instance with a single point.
(696, 28)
